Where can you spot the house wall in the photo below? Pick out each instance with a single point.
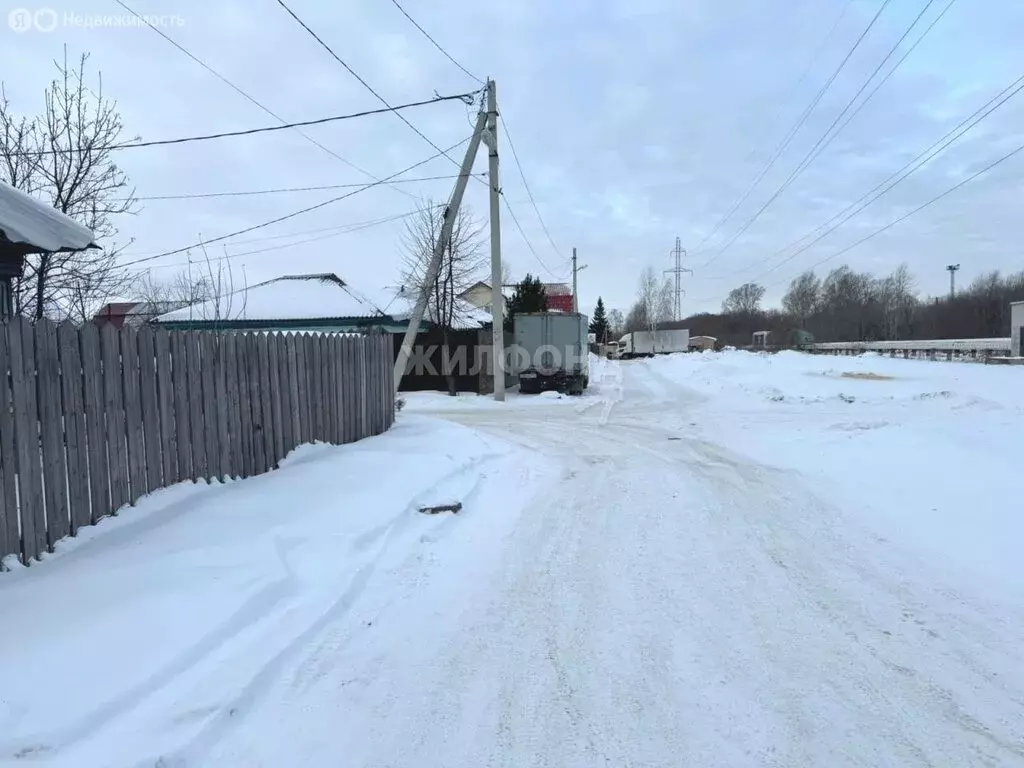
(479, 296)
(1016, 328)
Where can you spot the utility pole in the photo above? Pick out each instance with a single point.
(497, 297)
(447, 224)
(678, 270)
(575, 271)
(575, 298)
(952, 279)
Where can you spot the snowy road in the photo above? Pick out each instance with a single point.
(625, 588)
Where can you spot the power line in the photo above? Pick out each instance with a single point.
(436, 44)
(344, 230)
(789, 135)
(827, 137)
(921, 207)
(292, 215)
(362, 82)
(253, 99)
(526, 184)
(525, 238)
(251, 192)
(888, 74)
(899, 176)
(251, 131)
(508, 134)
(799, 124)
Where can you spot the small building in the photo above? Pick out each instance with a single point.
(761, 339)
(314, 302)
(702, 343)
(27, 226)
(559, 296)
(1017, 329)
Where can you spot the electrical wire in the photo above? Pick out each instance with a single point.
(826, 138)
(299, 212)
(888, 74)
(345, 230)
(436, 44)
(253, 100)
(251, 192)
(921, 207)
(526, 239)
(803, 76)
(508, 134)
(529, 192)
(253, 131)
(899, 176)
(799, 124)
(362, 82)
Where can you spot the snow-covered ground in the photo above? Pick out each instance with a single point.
(709, 560)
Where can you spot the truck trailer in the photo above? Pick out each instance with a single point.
(550, 352)
(650, 343)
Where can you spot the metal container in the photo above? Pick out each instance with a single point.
(550, 352)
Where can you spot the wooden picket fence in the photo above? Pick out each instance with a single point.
(92, 419)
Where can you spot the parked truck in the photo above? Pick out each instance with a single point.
(650, 343)
(550, 352)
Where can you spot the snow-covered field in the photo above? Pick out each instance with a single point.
(709, 560)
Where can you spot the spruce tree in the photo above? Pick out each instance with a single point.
(599, 322)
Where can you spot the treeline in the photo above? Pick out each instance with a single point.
(846, 305)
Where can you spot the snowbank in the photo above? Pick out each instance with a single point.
(165, 622)
(929, 452)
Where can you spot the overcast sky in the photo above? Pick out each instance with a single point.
(635, 122)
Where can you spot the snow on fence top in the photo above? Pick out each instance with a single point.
(938, 345)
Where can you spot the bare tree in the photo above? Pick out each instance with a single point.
(655, 295)
(636, 319)
(745, 300)
(616, 324)
(183, 289)
(462, 263)
(65, 156)
(803, 296)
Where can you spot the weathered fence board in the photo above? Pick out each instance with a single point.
(302, 388)
(221, 405)
(153, 461)
(92, 419)
(133, 414)
(182, 422)
(51, 435)
(95, 423)
(246, 428)
(26, 438)
(165, 407)
(285, 373)
(113, 396)
(266, 407)
(274, 344)
(10, 538)
(234, 412)
(209, 405)
(195, 400)
(70, 360)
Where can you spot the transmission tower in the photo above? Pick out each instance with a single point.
(677, 271)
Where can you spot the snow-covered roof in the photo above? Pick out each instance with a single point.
(292, 297)
(38, 226)
(467, 316)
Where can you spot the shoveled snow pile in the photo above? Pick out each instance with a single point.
(145, 639)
